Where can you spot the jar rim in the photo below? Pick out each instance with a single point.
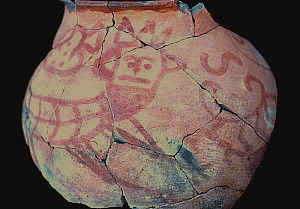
(123, 4)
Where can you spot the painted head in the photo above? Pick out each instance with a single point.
(135, 79)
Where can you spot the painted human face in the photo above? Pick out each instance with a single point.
(138, 70)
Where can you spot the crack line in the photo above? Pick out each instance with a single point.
(188, 179)
(226, 109)
(123, 198)
(190, 134)
(149, 149)
(102, 161)
(99, 66)
(172, 43)
(189, 37)
(194, 23)
(202, 193)
(122, 55)
(183, 67)
(112, 13)
(58, 102)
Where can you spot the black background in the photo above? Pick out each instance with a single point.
(261, 23)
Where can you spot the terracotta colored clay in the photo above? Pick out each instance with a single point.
(149, 102)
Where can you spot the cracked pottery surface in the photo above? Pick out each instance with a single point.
(152, 103)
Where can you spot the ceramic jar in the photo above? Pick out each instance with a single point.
(152, 103)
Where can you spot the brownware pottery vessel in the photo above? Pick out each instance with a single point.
(152, 103)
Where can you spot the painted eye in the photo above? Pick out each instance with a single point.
(131, 64)
(147, 66)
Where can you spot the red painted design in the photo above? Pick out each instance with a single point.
(134, 79)
(211, 84)
(262, 105)
(30, 139)
(155, 193)
(213, 134)
(150, 27)
(113, 52)
(125, 25)
(136, 64)
(225, 59)
(251, 79)
(134, 140)
(78, 54)
(105, 120)
(129, 87)
(237, 40)
(92, 163)
(129, 98)
(167, 32)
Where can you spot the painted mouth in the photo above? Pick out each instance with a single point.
(134, 79)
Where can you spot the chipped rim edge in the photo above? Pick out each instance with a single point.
(124, 3)
(71, 5)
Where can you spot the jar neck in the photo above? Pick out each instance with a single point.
(124, 3)
(121, 5)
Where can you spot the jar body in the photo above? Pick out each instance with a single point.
(159, 105)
